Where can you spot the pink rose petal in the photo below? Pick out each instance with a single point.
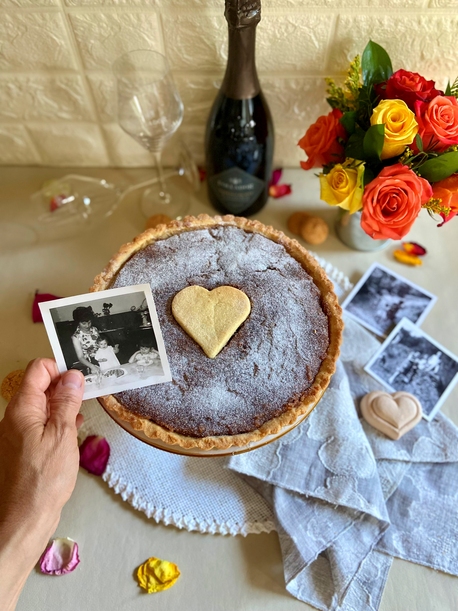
(94, 454)
(60, 557)
(39, 298)
(277, 191)
(276, 175)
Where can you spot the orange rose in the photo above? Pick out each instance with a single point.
(392, 202)
(438, 122)
(322, 141)
(447, 191)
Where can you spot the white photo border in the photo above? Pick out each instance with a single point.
(86, 298)
(407, 324)
(363, 280)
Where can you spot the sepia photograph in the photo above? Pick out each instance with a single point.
(411, 361)
(112, 336)
(382, 298)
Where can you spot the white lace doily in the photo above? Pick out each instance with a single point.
(193, 493)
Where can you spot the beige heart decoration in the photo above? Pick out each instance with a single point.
(211, 317)
(392, 414)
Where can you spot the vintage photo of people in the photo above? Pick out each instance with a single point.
(411, 361)
(382, 298)
(112, 336)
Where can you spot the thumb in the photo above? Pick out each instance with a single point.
(66, 399)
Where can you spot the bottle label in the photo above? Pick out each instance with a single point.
(235, 189)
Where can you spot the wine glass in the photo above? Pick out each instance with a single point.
(150, 110)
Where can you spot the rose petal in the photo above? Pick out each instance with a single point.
(447, 217)
(60, 557)
(202, 173)
(277, 191)
(94, 454)
(414, 249)
(57, 201)
(39, 298)
(403, 257)
(156, 575)
(276, 175)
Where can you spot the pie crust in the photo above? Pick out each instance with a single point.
(295, 410)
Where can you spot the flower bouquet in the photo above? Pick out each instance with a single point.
(389, 147)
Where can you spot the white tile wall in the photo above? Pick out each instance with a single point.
(57, 94)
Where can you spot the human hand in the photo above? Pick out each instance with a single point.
(39, 460)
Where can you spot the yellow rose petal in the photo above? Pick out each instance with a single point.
(156, 575)
(403, 257)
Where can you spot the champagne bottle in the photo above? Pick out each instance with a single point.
(239, 136)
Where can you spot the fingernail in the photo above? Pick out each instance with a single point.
(73, 379)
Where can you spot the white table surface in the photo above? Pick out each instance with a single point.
(220, 573)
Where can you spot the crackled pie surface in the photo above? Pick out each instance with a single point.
(271, 359)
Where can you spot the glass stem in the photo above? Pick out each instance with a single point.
(163, 193)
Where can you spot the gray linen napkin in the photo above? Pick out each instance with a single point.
(346, 499)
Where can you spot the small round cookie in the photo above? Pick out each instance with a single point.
(157, 219)
(314, 230)
(295, 221)
(11, 383)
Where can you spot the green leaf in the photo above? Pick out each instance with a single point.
(440, 167)
(419, 143)
(355, 147)
(373, 141)
(448, 89)
(376, 64)
(348, 121)
(368, 176)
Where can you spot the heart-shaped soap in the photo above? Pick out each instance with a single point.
(392, 414)
(211, 317)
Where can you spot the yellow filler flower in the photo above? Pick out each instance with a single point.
(156, 575)
(401, 126)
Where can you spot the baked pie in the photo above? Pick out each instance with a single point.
(274, 368)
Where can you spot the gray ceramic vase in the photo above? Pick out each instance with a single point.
(349, 231)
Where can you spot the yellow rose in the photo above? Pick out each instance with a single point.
(343, 186)
(400, 126)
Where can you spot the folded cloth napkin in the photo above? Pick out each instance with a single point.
(346, 499)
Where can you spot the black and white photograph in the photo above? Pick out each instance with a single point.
(112, 336)
(382, 298)
(411, 361)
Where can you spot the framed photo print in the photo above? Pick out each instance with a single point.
(112, 336)
(382, 298)
(412, 361)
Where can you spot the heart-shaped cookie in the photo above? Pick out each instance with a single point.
(392, 414)
(211, 317)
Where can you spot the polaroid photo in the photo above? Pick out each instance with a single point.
(411, 361)
(112, 336)
(382, 298)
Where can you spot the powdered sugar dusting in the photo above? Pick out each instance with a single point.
(272, 358)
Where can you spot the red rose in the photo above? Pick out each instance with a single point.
(438, 122)
(322, 141)
(409, 87)
(392, 202)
